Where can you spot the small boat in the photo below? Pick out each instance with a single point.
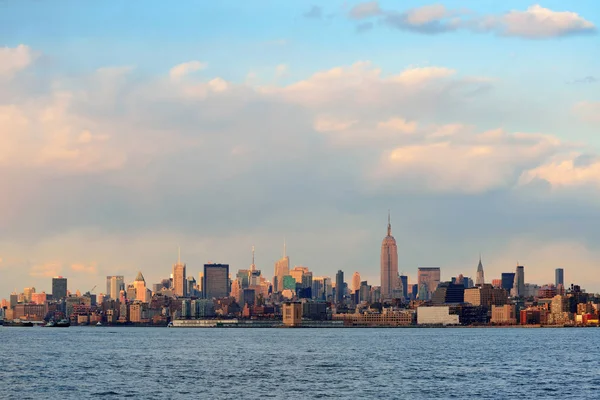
(99, 323)
(63, 323)
(50, 324)
(170, 325)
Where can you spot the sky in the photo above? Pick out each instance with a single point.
(128, 129)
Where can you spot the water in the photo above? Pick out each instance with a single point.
(148, 363)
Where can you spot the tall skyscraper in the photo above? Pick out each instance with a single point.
(355, 282)
(216, 281)
(519, 283)
(139, 284)
(430, 277)
(404, 281)
(479, 281)
(59, 287)
(559, 277)
(114, 285)
(179, 278)
(389, 263)
(508, 280)
(339, 286)
(282, 268)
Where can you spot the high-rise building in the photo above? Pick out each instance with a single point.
(448, 293)
(518, 289)
(389, 263)
(59, 288)
(27, 292)
(139, 284)
(508, 280)
(355, 282)
(339, 286)
(430, 277)
(298, 273)
(479, 281)
(179, 278)
(559, 277)
(114, 285)
(216, 281)
(404, 282)
(282, 268)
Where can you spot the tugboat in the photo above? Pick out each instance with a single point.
(63, 323)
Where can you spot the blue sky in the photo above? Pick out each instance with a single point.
(140, 124)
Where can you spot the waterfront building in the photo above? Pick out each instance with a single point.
(479, 281)
(30, 312)
(389, 263)
(429, 276)
(437, 315)
(59, 288)
(292, 314)
(179, 278)
(114, 285)
(282, 268)
(518, 289)
(355, 282)
(216, 281)
(504, 315)
(559, 277)
(339, 286)
(387, 317)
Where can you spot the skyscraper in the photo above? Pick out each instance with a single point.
(59, 287)
(216, 281)
(389, 263)
(430, 277)
(282, 268)
(139, 284)
(508, 280)
(355, 282)
(518, 289)
(179, 278)
(114, 285)
(559, 277)
(479, 281)
(404, 281)
(339, 286)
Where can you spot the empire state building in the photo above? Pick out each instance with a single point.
(389, 264)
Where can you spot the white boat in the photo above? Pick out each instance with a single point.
(99, 323)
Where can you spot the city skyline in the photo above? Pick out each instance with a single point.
(476, 126)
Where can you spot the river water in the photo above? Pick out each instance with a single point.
(148, 363)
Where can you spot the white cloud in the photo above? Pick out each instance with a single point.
(565, 172)
(329, 124)
(539, 22)
(365, 10)
(420, 75)
(218, 85)
(426, 14)
(181, 70)
(45, 270)
(14, 59)
(398, 124)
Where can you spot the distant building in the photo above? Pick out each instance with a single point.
(179, 279)
(139, 284)
(518, 289)
(339, 286)
(288, 283)
(405, 289)
(497, 283)
(508, 280)
(480, 279)
(438, 315)
(282, 268)
(114, 285)
(559, 277)
(216, 281)
(292, 314)
(448, 293)
(430, 277)
(355, 282)
(389, 264)
(504, 315)
(59, 288)
(486, 296)
(27, 292)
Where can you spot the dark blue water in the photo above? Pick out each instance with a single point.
(82, 362)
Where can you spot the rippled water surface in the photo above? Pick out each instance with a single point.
(83, 362)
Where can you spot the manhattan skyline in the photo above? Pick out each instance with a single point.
(118, 145)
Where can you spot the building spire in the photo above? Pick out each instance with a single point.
(389, 231)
